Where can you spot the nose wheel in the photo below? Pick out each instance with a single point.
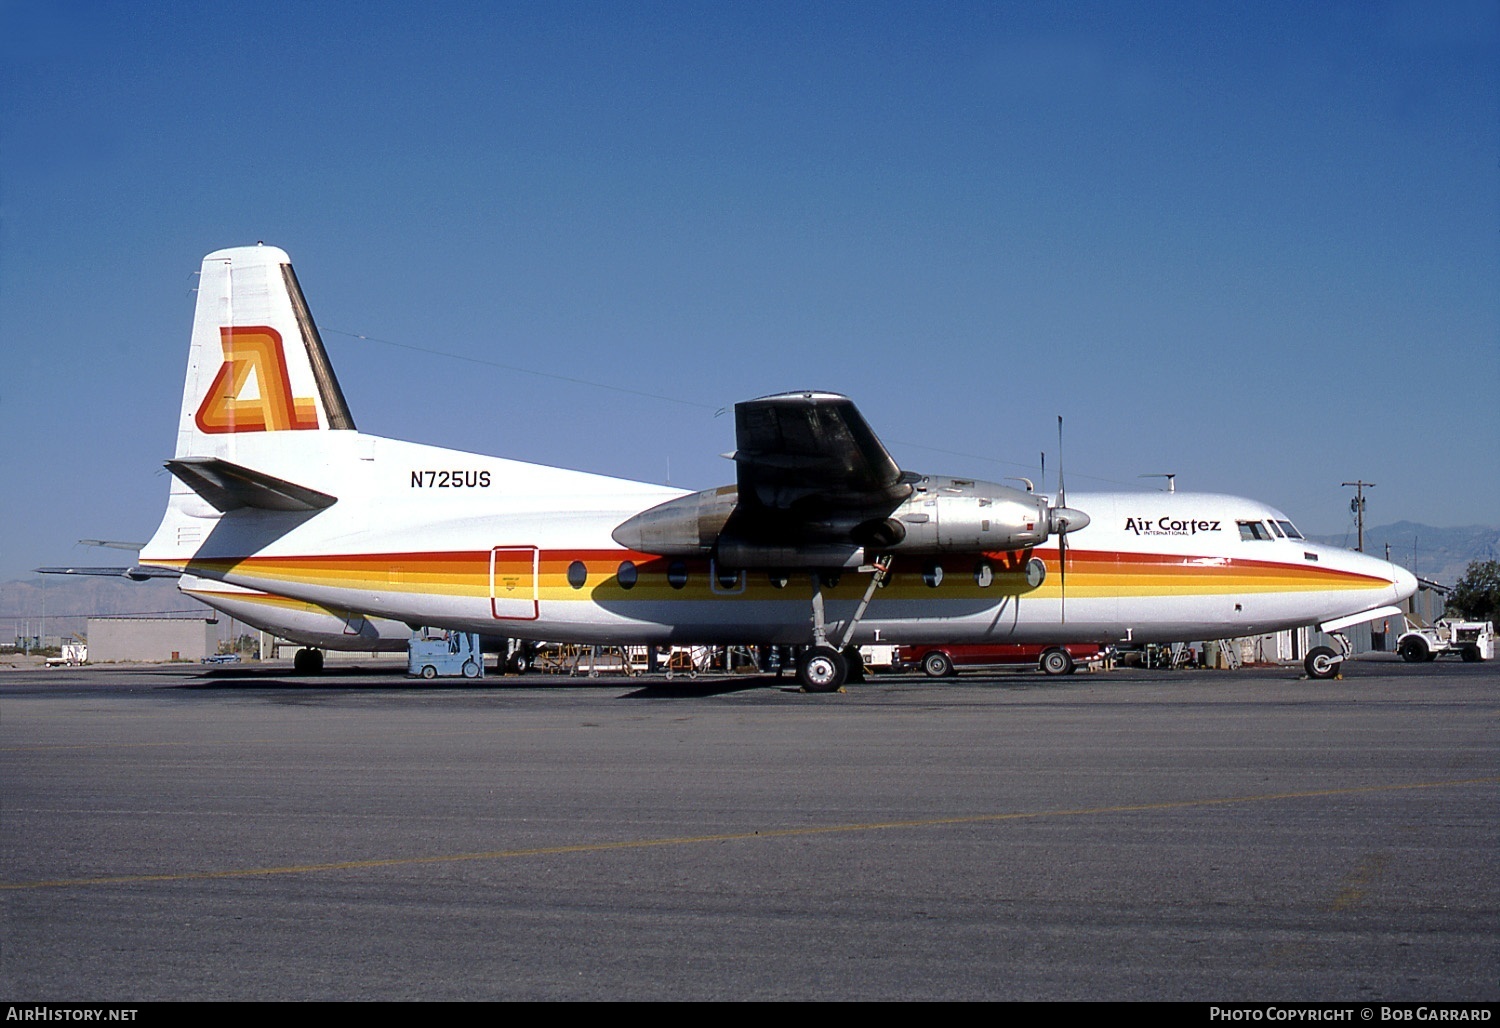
(1323, 662)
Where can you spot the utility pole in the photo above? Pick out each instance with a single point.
(1357, 505)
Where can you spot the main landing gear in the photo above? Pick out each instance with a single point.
(825, 666)
(308, 661)
(822, 669)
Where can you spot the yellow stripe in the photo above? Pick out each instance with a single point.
(771, 833)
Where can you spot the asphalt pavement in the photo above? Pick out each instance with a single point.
(178, 833)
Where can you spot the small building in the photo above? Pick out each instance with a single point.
(151, 639)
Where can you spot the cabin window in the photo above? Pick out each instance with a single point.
(627, 575)
(677, 574)
(578, 574)
(932, 574)
(1254, 530)
(984, 575)
(778, 579)
(728, 579)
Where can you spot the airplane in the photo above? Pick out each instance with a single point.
(823, 542)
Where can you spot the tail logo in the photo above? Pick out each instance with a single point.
(254, 349)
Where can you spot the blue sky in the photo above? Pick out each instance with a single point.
(1255, 244)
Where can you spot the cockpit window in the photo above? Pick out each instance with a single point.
(1290, 530)
(1276, 529)
(1252, 530)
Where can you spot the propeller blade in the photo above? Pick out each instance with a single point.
(1062, 492)
(1062, 574)
(1062, 534)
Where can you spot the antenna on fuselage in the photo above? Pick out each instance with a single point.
(1170, 476)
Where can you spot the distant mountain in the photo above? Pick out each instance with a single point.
(68, 601)
(1438, 554)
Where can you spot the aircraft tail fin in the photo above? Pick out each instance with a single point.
(256, 363)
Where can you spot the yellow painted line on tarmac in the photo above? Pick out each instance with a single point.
(772, 833)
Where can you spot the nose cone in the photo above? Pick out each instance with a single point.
(1404, 581)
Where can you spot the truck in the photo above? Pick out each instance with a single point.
(457, 655)
(1471, 640)
(939, 661)
(73, 654)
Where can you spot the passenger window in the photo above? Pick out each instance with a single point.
(627, 575)
(577, 574)
(933, 575)
(677, 574)
(984, 575)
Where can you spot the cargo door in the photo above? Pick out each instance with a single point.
(513, 583)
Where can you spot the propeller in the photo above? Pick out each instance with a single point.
(1063, 519)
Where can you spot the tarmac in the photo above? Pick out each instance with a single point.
(176, 832)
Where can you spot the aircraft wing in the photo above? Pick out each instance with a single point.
(808, 455)
(810, 473)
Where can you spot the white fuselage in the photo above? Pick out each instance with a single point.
(442, 538)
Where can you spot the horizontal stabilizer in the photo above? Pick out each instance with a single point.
(229, 486)
(135, 573)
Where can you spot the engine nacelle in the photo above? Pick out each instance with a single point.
(945, 515)
(688, 526)
(942, 515)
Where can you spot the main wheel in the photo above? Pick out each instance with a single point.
(428, 671)
(937, 665)
(1322, 662)
(1413, 649)
(1057, 662)
(308, 661)
(470, 669)
(855, 662)
(822, 669)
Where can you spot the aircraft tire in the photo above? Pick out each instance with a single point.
(428, 671)
(855, 663)
(1057, 662)
(822, 669)
(1413, 650)
(937, 665)
(470, 669)
(1322, 662)
(308, 661)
